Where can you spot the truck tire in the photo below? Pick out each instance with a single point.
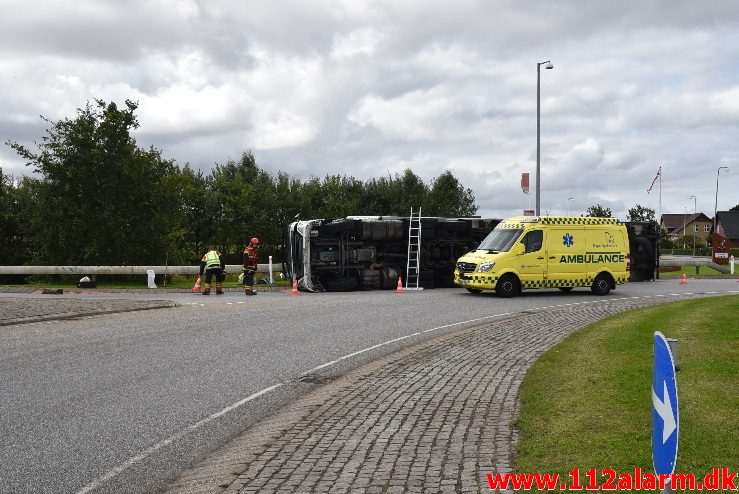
(341, 285)
(601, 284)
(370, 279)
(388, 278)
(508, 286)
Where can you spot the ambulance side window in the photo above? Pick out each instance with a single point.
(533, 240)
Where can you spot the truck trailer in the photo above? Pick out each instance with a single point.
(371, 252)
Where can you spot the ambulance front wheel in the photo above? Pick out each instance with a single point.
(508, 286)
(601, 284)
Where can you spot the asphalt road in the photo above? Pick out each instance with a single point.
(123, 402)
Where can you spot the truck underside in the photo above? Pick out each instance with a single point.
(372, 252)
(644, 248)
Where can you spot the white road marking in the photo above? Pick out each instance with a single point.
(148, 451)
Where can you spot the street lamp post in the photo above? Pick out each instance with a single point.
(547, 65)
(685, 211)
(694, 222)
(568, 205)
(715, 207)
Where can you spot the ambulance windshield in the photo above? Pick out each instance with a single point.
(500, 240)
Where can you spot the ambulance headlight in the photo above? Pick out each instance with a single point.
(485, 267)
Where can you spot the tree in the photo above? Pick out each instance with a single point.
(640, 213)
(192, 225)
(448, 197)
(598, 211)
(735, 208)
(101, 199)
(11, 238)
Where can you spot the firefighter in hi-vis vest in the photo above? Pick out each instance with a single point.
(213, 265)
(250, 266)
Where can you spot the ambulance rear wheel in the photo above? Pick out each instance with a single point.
(601, 285)
(508, 286)
(473, 290)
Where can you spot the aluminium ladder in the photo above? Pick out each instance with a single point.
(414, 251)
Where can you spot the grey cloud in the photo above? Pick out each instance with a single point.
(444, 86)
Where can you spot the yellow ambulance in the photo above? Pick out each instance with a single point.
(562, 252)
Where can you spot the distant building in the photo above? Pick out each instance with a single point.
(726, 236)
(678, 225)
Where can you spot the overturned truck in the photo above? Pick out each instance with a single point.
(371, 252)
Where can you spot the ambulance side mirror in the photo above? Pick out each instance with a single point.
(519, 249)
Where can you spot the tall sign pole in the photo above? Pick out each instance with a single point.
(525, 188)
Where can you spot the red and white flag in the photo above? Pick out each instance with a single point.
(659, 172)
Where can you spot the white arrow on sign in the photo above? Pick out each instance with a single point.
(664, 410)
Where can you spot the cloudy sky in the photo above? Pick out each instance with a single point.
(367, 88)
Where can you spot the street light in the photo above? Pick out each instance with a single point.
(547, 65)
(694, 223)
(568, 205)
(715, 207)
(685, 211)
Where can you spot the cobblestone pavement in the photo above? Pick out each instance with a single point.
(26, 310)
(435, 417)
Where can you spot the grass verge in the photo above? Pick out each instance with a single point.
(692, 271)
(586, 403)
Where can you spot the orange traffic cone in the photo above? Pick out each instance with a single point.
(400, 286)
(196, 288)
(684, 279)
(295, 291)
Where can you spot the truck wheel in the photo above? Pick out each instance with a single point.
(388, 278)
(566, 288)
(473, 290)
(601, 284)
(508, 286)
(370, 279)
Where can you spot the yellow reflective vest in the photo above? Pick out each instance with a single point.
(212, 260)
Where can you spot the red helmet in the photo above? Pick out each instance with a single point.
(254, 241)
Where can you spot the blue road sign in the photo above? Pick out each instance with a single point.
(665, 417)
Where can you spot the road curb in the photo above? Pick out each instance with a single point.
(126, 306)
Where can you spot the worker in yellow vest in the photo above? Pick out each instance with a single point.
(213, 265)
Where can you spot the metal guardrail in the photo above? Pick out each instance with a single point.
(124, 270)
(693, 261)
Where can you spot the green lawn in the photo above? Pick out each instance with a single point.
(692, 271)
(587, 402)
